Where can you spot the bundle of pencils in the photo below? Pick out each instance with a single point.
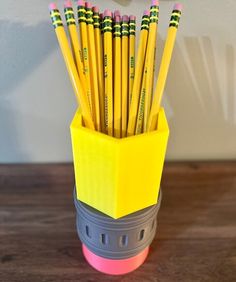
(114, 89)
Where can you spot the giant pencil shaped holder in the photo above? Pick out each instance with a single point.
(117, 194)
(118, 176)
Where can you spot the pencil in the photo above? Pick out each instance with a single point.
(108, 71)
(99, 56)
(93, 64)
(117, 75)
(138, 73)
(74, 39)
(165, 63)
(71, 68)
(124, 75)
(149, 62)
(84, 42)
(132, 29)
(139, 122)
(148, 70)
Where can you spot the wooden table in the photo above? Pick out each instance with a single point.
(196, 237)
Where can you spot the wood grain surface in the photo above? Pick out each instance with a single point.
(195, 240)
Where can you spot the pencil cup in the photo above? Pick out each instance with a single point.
(115, 246)
(118, 176)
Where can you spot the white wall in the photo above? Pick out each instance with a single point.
(37, 102)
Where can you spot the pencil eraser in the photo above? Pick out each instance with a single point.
(67, 4)
(116, 13)
(155, 2)
(88, 5)
(125, 18)
(107, 13)
(117, 19)
(52, 6)
(178, 6)
(132, 18)
(146, 13)
(81, 3)
(95, 9)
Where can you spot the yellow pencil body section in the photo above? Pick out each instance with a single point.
(149, 69)
(84, 43)
(131, 59)
(108, 75)
(165, 62)
(117, 81)
(125, 46)
(138, 77)
(139, 123)
(78, 89)
(99, 56)
(77, 51)
(93, 75)
(164, 67)
(118, 176)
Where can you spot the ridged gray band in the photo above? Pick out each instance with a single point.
(116, 238)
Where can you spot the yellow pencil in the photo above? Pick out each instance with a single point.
(93, 64)
(108, 71)
(132, 29)
(165, 62)
(117, 75)
(68, 58)
(148, 69)
(138, 73)
(84, 42)
(139, 122)
(74, 39)
(124, 75)
(149, 64)
(99, 56)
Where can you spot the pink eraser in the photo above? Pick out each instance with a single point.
(116, 13)
(146, 13)
(132, 18)
(67, 4)
(125, 18)
(52, 6)
(95, 9)
(88, 5)
(178, 6)
(155, 2)
(117, 19)
(81, 3)
(107, 13)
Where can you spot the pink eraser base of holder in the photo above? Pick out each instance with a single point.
(114, 267)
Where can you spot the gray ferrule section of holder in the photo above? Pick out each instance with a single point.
(116, 238)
